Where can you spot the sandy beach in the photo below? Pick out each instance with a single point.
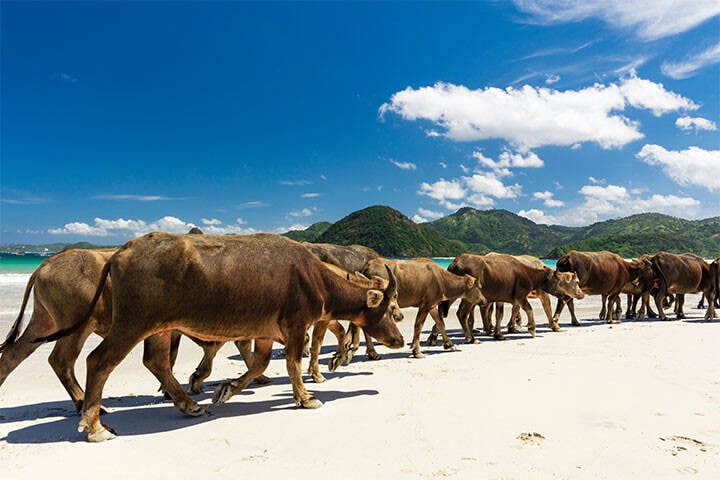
(639, 399)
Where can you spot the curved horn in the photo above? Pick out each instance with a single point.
(392, 282)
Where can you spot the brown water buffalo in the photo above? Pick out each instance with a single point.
(221, 288)
(504, 278)
(63, 286)
(598, 273)
(349, 258)
(564, 283)
(422, 283)
(680, 274)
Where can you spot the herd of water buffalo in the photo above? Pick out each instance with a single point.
(265, 288)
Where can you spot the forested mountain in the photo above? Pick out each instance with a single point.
(469, 230)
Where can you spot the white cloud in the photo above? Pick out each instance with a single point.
(403, 165)
(648, 19)
(641, 93)
(548, 200)
(310, 195)
(531, 117)
(139, 198)
(697, 123)
(693, 166)
(253, 204)
(445, 192)
(124, 228)
(507, 160)
(690, 66)
(538, 216)
(305, 212)
(295, 183)
(614, 201)
(550, 79)
(425, 215)
(134, 228)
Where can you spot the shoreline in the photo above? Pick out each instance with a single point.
(629, 400)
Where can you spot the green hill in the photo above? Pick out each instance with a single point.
(310, 234)
(391, 233)
(387, 231)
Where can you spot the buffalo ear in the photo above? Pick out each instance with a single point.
(469, 281)
(374, 298)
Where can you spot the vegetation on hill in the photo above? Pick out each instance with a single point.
(310, 234)
(392, 234)
(469, 230)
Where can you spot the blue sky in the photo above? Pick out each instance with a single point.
(123, 118)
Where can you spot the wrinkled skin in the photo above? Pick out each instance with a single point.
(507, 279)
(680, 274)
(214, 289)
(424, 284)
(63, 287)
(598, 273)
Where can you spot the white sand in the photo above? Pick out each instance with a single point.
(631, 400)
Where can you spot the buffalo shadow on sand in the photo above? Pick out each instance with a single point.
(141, 420)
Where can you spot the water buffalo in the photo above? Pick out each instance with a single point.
(63, 286)
(598, 273)
(684, 273)
(349, 258)
(221, 288)
(424, 284)
(505, 278)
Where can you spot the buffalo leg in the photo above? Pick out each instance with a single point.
(100, 364)
(156, 358)
(525, 305)
(499, 312)
(202, 371)
(440, 324)
(40, 325)
(261, 360)
(419, 320)
(463, 314)
(293, 359)
(318, 334)
(341, 355)
(679, 304)
(63, 358)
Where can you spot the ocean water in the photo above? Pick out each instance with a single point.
(15, 272)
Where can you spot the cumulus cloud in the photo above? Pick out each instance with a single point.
(128, 228)
(305, 212)
(538, 216)
(424, 215)
(648, 19)
(690, 65)
(614, 201)
(548, 200)
(310, 195)
(531, 117)
(696, 123)
(403, 165)
(693, 166)
(211, 221)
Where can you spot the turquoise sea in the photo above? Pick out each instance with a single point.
(19, 264)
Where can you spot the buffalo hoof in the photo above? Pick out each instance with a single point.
(311, 403)
(498, 336)
(450, 346)
(417, 354)
(432, 340)
(473, 341)
(374, 356)
(262, 380)
(652, 315)
(104, 433)
(223, 393)
(334, 362)
(575, 323)
(318, 378)
(194, 410)
(513, 329)
(532, 332)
